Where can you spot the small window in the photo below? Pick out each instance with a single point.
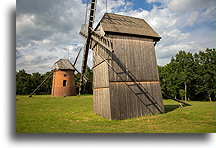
(64, 83)
(65, 75)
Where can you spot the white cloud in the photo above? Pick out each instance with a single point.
(183, 6)
(45, 28)
(192, 18)
(170, 22)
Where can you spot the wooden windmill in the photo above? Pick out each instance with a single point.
(125, 75)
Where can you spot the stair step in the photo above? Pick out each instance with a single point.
(139, 93)
(150, 104)
(144, 92)
(121, 73)
(136, 84)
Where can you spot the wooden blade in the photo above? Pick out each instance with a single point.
(88, 40)
(101, 40)
(77, 57)
(84, 77)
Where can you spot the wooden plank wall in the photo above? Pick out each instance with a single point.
(101, 94)
(125, 104)
(112, 97)
(101, 102)
(138, 55)
(101, 77)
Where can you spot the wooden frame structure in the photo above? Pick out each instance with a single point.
(126, 82)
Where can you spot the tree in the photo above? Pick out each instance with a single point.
(23, 83)
(86, 87)
(206, 70)
(190, 75)
(182, 93)
(47, 86)
(185, 68)
(26, 83)
(35, 81)
(168, 78)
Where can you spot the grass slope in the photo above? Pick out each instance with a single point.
(44, 114)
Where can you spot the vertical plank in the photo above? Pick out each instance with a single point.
(120, 103)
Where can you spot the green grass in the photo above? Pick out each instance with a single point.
(44, 114)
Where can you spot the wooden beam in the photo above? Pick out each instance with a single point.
(182, 102)
(101, 40)
(41, 83)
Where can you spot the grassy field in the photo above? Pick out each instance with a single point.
(43, 114)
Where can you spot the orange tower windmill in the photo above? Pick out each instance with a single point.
(63, 79)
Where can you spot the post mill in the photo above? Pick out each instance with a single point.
(125, 75)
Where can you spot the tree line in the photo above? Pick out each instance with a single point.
(188, 77)
(26, 83)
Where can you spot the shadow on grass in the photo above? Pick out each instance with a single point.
(169, 108)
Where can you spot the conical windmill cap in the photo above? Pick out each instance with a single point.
(63, 64)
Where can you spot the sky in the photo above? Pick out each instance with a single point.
(47, 30)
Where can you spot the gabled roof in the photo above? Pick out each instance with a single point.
(63, 64)
(115, 23)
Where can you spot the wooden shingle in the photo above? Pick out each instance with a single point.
(63, 64)
(114, 23)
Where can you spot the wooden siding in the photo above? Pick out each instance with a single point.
(101, 102)
(125, 104)
(137, 54)
(101, 94)
(113, 98)
(101, 76)
(100, 70)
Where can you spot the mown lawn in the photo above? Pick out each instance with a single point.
(44, 114)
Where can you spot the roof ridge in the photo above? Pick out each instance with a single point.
(125, 16)
(127, 25)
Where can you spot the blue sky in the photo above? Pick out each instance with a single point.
(137, 4)
(47, 29)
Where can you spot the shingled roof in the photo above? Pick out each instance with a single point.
(114, 23)
(63, 64)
